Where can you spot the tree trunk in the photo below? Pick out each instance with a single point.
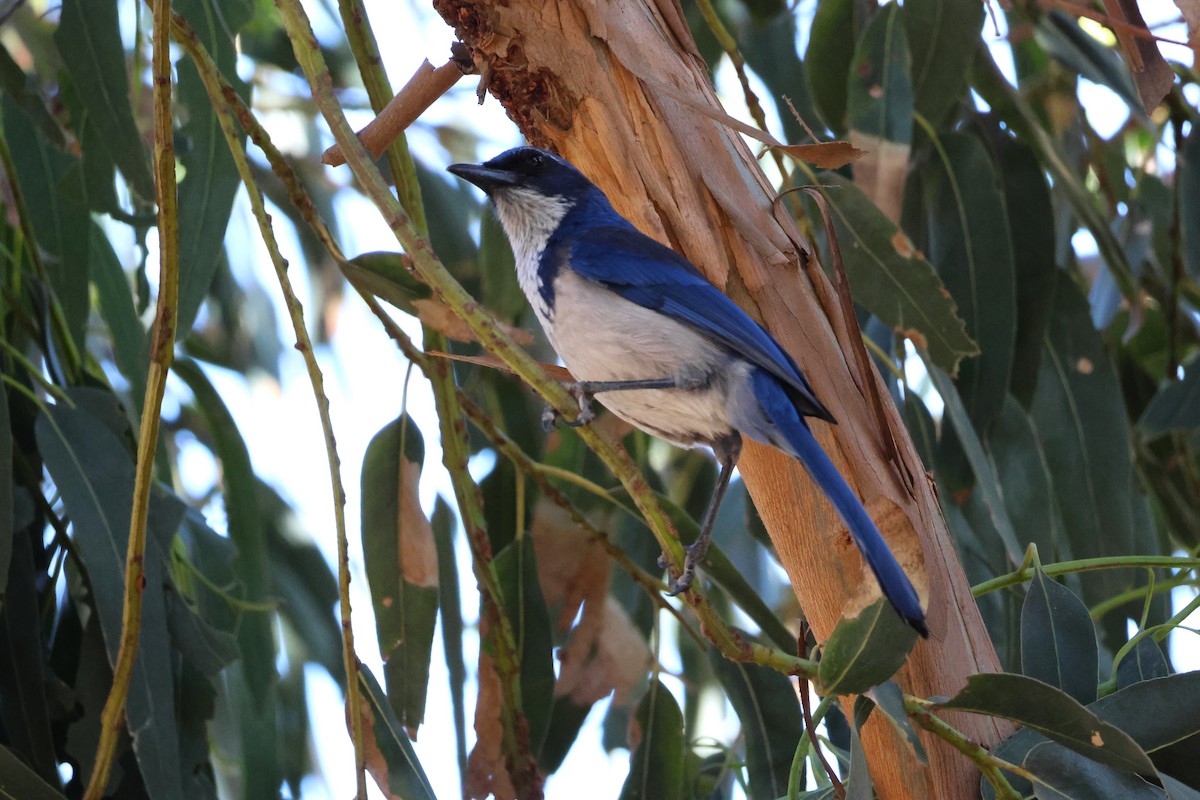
(600, 83)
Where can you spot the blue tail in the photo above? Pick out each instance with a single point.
(787, 430)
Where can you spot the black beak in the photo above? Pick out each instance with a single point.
(484, 177)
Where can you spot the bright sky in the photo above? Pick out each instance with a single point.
(365, 376)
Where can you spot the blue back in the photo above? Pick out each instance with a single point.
(603, 246)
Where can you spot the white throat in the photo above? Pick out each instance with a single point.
(530, 218)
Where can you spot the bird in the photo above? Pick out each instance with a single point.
(646, 334)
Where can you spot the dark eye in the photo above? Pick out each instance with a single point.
(536, 161)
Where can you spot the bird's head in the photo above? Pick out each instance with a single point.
(532, 189)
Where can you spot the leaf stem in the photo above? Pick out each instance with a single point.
(1025, 573)
(162, 350)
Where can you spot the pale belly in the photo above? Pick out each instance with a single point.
(602, 337)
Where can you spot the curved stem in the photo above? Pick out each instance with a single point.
(162, 349)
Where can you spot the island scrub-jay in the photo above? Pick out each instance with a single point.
(646, 333)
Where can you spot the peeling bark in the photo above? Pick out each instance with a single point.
(595, 81)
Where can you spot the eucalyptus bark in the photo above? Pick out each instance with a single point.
(600, 83)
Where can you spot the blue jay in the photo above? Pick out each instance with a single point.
(645, 333)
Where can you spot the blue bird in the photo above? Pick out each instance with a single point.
(649, 336)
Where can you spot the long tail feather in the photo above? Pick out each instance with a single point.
(799, 440)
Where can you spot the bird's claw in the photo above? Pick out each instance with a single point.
(694, 555)
(551, 416)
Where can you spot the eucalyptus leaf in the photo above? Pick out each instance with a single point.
(1058, 640)
(864, 650)
(656, 766)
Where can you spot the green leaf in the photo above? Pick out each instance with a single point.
(889, 699)
(986, 482)
(828, 60)
(93, 179)
(14, 83)
(858, 776)
(516, 572)
(210, 178)
(766, 704)
(452, 623)
(1067, 775)
(942, 37)
(255, 635)
(131, 345)
(1043, 708)
(1081, 419)
(969, 245)
(6, 493)
(880, 93)
(1031, 223)
(25, 712)
(656, 764)
(94, 474)
(55, 218)
(1144, 662)
(390, 756)
(398, 551)
(865, 650)
(1187, 172)
(19, 782)
(1015, 450)
(89, 41)
(770, 50)
(1176, 407)
(891, 279)
(1058, 640)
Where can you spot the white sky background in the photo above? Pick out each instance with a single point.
(364, 375)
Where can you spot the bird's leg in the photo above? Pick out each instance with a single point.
(727, 451)
(585, 391)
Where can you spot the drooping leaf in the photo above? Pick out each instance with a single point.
(390, 756)
(56, 219)
(865, 650)
(942, 37)
(25, 712)
(880, 110)
(94, 473)
(770, 50)
(210, 178)
(452, 623)
(1015, 450)
(656, 766)
(969, 244)
(401, 564)
(1066, 775)
(986, 483)
(858, 777)
(19, 781)
(131, 346)
(765, 702)
(828, 60)
(1188, 177)
(1031, 223)
(1058, 640)
(1084, 429)
(891, 279)
(89, 39)
(516, 572)
(255, 633)
(889, 701)
(7, 529)
(1062, 37)
(1051, 712)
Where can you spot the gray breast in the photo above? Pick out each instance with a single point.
(601, 336)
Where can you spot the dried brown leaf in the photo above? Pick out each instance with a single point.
(487, 771)
(418, 553)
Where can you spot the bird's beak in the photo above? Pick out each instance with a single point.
(486, 178)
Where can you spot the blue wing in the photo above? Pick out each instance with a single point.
(645, 272)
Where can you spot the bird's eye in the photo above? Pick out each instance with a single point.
(536, 161)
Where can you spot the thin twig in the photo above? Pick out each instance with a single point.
(162, 351)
